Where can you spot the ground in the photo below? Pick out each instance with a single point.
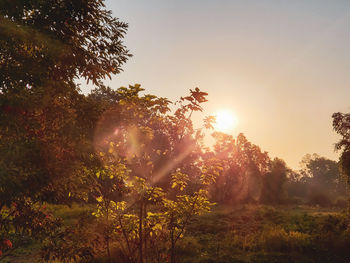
(243, 233)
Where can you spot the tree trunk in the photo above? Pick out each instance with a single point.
(107, 236)
(108, 251)
(172, 250)
(141, 234)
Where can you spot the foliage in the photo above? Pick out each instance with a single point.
(45, 41)
(319, 181)
(256, 234)
(341, 124)
(283, 234)
(25, 219)
(78, 242)
(45, 47)
(323, 174)
(277, 239)
(319, 199)
(142, 167)
(144, 197)
(244, 167)
(274, 180)
(46, 126)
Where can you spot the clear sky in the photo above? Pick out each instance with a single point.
(282, 66)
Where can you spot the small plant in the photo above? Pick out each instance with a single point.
(274, 239)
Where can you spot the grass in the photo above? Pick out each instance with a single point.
(28, 250)
(69, 214)
(244, 233)
(28, 253)
(251, 233)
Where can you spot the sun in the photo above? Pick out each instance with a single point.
(226, 121)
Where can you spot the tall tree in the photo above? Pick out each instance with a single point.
(245, 167)
(56, 40)
(273, 182)
(322, 173)
(45, 46)
(320, 180)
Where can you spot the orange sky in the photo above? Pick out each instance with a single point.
(282, 66)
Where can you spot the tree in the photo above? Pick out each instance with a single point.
(45, 41)
(244, 164)
(341, 124)
(296, 187)
(45, 127)
(45, 124)
(319, 180)
(273, 182)
(145, 197)
(322, 174)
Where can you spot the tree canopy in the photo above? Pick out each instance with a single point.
(45, 41)
(341, 124)
(45, 47)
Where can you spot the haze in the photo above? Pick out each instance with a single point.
(281, 66)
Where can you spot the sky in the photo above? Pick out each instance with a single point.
(283, 67)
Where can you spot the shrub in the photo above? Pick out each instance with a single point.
(341, 202)
(278, 239)
(274, 239)
(298, 241)
(319, 199)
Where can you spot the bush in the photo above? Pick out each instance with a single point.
(334, 233)
(319, 199)
(274, 239)
(189, 247)
(341, 202)
(298, 241)
(277, 239)
(294, 201)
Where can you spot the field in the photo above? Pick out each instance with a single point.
(245, 233)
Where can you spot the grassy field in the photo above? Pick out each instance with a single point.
(244, 233)
(250, 233)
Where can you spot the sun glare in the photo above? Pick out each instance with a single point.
(226, 121)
